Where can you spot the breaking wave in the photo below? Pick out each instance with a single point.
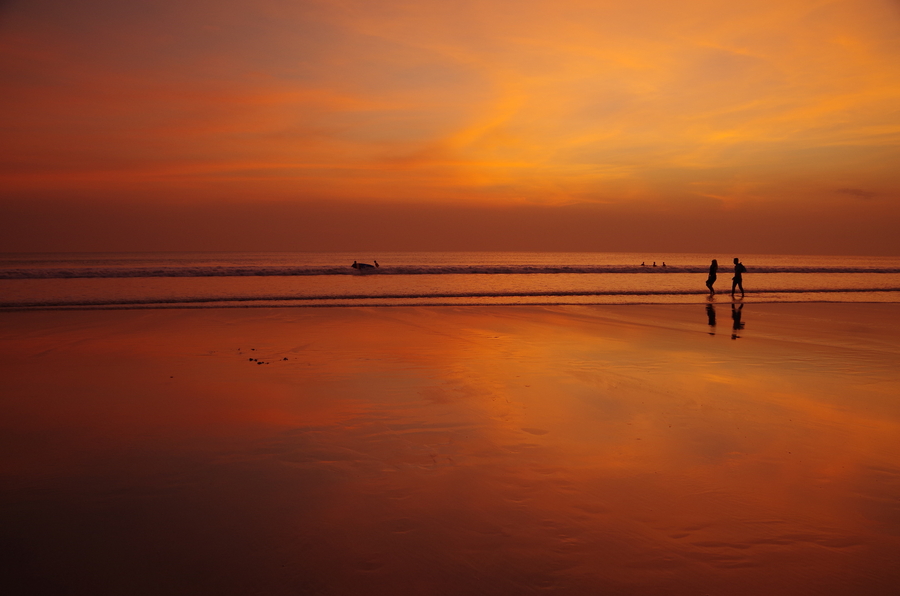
(289, 271)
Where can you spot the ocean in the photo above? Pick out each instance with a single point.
(217, 280)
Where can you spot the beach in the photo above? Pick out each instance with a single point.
(615, 449)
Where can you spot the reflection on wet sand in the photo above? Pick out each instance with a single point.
(737, 325)
(711, 318)
(568, 450)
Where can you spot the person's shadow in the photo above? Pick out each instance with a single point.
(736, 319)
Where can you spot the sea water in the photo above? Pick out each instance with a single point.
(198, 280)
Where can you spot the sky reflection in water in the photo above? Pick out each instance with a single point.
(437, 450)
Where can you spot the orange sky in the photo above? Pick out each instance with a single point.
(770, 126)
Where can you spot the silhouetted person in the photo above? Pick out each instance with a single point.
(654, 263)
(713, 268)
(736, 318)
(664, 264)
(711, 315)
(376, 264)
(643, 264)
(738, 280)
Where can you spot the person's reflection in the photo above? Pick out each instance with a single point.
(711, 315)
(736, 317)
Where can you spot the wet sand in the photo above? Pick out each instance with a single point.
(440, 450)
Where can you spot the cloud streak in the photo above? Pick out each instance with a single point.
(858, 192)
(493, 102)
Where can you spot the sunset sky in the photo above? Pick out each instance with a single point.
(764, 127)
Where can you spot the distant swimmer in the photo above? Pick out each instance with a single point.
(664, 264)
(737, 280)
(376, 264)
(654, 263)
(713, 268)
(643, 264)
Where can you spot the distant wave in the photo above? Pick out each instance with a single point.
(288, 271)
(358, 298)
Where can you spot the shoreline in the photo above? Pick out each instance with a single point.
(316, 302)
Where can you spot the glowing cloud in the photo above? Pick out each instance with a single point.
(500, 101)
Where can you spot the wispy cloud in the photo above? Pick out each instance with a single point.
(496, 101)
(858, 193)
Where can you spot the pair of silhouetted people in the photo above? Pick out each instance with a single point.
(736, 282)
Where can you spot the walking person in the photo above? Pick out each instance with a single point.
(713, 268)
(737, 280)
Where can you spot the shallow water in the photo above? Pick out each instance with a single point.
(250, 279)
